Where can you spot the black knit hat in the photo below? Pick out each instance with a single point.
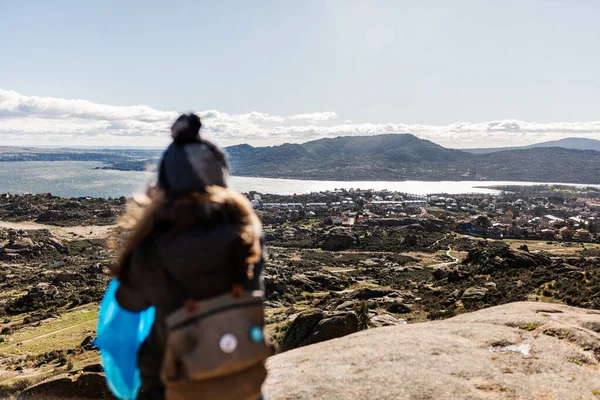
(190, 163)
(186, 129)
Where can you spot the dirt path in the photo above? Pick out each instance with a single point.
(64, 232)
(437, 241)
(446, 264)
(449, 254)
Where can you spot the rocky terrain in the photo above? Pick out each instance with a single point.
(52, 210)
(526, 350)
(313, 292)
(322, 283)
(41, 272)
(49, 289)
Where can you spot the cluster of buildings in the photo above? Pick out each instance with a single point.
(535, 218)
(344, 207)
(493, 216)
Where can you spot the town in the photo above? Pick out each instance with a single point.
(508, 215)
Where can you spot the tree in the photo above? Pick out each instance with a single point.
(483, 221)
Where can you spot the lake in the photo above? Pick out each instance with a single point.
(76, 179)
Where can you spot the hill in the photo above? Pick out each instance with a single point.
(117, 159)
(391, 157)
(519, 350)
(567, 143)
(398, 157)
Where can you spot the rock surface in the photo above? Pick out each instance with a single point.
(85, 386)
(526, 350)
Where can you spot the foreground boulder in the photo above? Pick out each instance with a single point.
(524, 350)
(314, 326)
(81, 386)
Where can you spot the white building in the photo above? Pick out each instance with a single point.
(348, 221)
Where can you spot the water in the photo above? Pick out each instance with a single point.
(69, 179)
(75, 179)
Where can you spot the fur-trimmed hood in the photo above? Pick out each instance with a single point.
(156, 213)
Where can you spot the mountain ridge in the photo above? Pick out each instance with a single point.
(573, 143)
(406, 157)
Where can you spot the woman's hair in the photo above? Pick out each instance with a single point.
(216, 205)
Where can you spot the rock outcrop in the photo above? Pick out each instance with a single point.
(17, 244)
(339, 239)
(526, 350)
(314, 326)
(80, 386)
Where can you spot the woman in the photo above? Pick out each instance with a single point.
(195, 239)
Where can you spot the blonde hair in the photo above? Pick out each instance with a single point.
(144, 212)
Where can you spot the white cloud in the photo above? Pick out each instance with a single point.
(258, 117)
(32, 120)
(17, 105)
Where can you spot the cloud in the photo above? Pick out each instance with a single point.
(31, 120)
(258, 117)
(13, 104)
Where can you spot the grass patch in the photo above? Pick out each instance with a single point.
(529, 327)
(559, 335)
(61, 333)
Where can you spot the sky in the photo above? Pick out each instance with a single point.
(462, 73)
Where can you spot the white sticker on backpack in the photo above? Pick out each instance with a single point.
(228, 343)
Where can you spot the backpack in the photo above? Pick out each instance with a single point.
(216, 347)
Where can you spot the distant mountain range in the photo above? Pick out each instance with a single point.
(567, 143)
(397, 157)
(392, 157)
(114, 159)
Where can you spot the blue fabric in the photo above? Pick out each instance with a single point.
(120, 334)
